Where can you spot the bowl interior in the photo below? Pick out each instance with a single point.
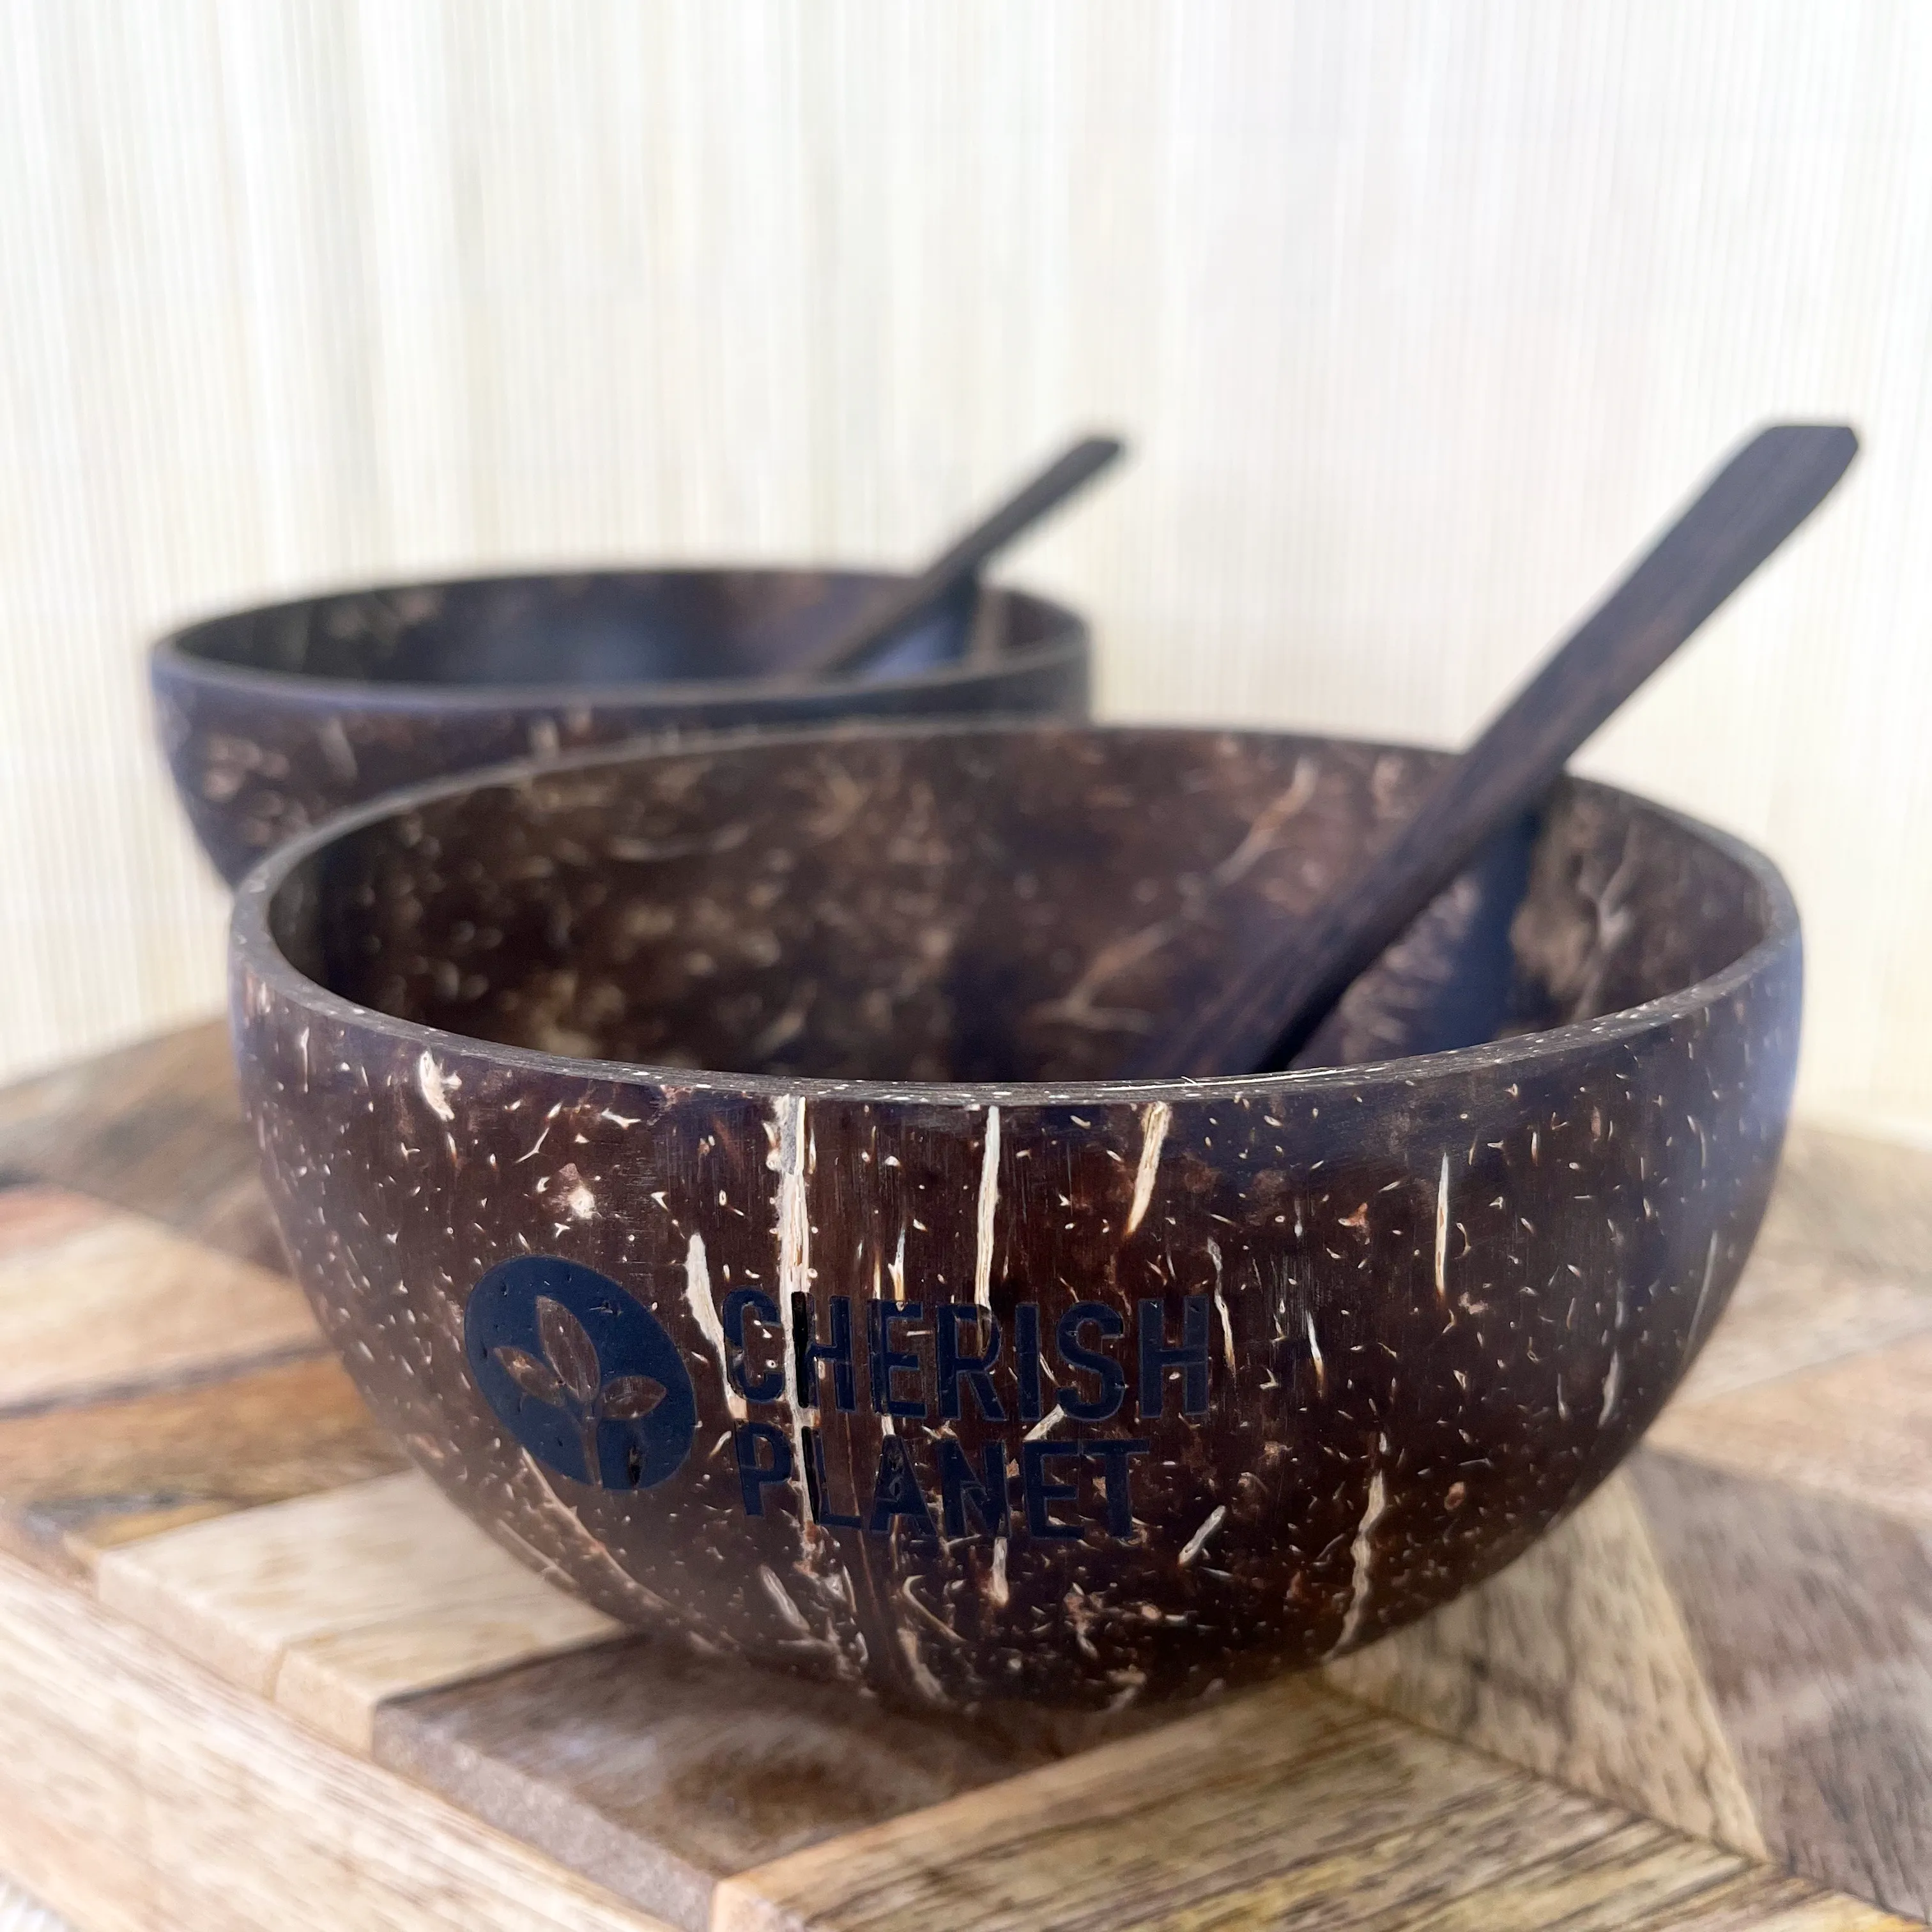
(602, 628)
(1003, 905)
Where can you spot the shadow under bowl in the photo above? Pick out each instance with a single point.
(708, 1164)
(274, 718)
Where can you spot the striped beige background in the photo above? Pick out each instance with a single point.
(1420, 317)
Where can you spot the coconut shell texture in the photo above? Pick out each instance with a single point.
(707, 1164)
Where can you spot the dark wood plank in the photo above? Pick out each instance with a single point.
(154, 1128)
(74, 1481)
(657, 1773)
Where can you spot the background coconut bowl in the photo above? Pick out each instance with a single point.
(273, 718)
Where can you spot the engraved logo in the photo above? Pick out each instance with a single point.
(583, 1376)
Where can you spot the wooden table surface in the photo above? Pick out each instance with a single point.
(254, 1670)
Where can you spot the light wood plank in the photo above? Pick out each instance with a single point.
(336, 1681)
(1842, 1265)
(1772, 1901)
(1573, 1663)
(1622, 1875)
(1280, 1775)
(77, 1480)
(1794, 1310)
(32, 1218)
(137, 1792)
(1859, 1429)
(1625, 1871)
(1275, 1809)
(112, 1302)
(329, 1604)
(1422, 1870)
(1863, 1202)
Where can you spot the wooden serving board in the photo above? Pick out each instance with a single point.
(254, 1669)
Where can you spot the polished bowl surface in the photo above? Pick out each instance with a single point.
(710, 1165)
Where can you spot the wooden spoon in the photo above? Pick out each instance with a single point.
(880, 628)
(1269, 1010)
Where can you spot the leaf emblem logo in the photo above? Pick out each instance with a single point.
(581, 1373)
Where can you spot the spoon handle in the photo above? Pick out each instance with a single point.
(878, 628)
(1268, 1011)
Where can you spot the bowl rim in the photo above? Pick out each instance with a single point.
(252, 947)
(1068, 638)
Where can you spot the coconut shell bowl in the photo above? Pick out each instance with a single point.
(273, 718)
(707, 1162)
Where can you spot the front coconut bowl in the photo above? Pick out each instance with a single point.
(707, 1164)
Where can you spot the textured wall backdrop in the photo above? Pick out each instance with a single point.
(1420, 316)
